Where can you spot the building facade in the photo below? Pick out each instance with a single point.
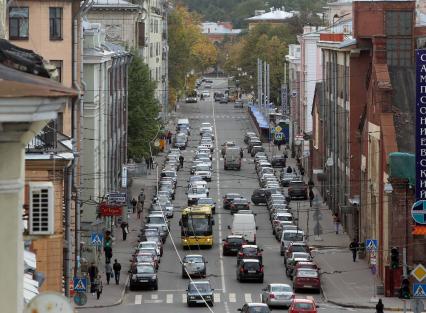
(217, 32)
(276, 16)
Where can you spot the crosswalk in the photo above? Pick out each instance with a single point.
(173, 298)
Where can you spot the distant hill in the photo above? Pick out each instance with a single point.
(237, 10)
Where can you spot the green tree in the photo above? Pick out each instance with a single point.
(143, 109)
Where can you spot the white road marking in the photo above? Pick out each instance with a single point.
(154, 297)
(216, 297)
(184, 297)
(247, 297)
(169, 298)
(138, 299)
(232, 298)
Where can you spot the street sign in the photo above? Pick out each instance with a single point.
(371, 244)
(417, 305)
(96, 239)
(80, 298)
(117, 197)
(124, 176)
(80, 284)
(418, 212)
(419, 291)
(278, 136)
(106, 209)
(419, 272)
(278, 129)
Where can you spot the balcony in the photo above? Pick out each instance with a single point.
(45, 141)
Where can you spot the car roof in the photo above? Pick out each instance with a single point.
(198, 282)
(249, 246)
(257, 304)
(235, 236)
(301, 300)
(279, 284)
(251, 260)
(194, 256)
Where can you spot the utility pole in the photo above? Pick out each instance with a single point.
(265, 96)
(259, 83)
(267, 85)
(404, 269)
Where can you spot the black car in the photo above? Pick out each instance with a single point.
(199, 292)
(298, 189)
(286, 178)
(259, 196)
(143, 275)
(239, 204)
(232, 244)
(249, 252)
(278, 161)
(250, 269)
(229, 198)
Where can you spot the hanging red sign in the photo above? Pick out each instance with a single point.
(106, 209)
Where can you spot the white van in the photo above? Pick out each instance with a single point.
(244, 225)
(292, 235)
(183, 123)
(232, 158)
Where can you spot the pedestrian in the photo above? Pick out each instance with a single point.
(380, 307)
(125, 229)
(311, 197)
(140, 209)
(181, 159)
(108, 246)
(354, 247)
(151, 162)
(289, 169)
(311, 183)
(147, 162)
(93, 273)
(98, 286)
(169, 137)
(134, 202)
(336, 221)
(108, 271)
(302, 171)
(117, 268)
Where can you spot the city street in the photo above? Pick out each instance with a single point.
(229, 124)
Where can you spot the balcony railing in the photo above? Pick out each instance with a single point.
(45, 141)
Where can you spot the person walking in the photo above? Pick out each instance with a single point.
(380, 307)
(147, 162)
(139, 209)
(98, 286)
(125, 229)
(302, 171)
(311, 183)
(311, 197)
(134, 202)
(117, 268)
(93, 273)
(336, 221)
(151, 162)
(289, 169)
(354, 247)
(169, 137)
(108, 271)
(181, 159)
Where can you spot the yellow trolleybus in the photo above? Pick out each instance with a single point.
(197, 227)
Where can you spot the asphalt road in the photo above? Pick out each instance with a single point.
(229, 124)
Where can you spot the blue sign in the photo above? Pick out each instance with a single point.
(371, 244)
(80, 284)
(418, 212)
(96, 239)
(419, 290)
(421, 124)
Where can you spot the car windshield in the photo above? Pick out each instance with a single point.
(148, 245)
(298, 248)
(145, 269)
(284, 218)
(198, 191)
(281, 288)
(203, 168)
(235, 240)
(307, 273)
(232, 195)
(260, 309)
(293, 236)
(201, 287)
(144, 258)
(240, 201)
(205, 201)
(250, 250)
(155, 220)
(299, 255)
(151, 233)
(251, 266)
(168, 174)
(303, 306)
(194, 259)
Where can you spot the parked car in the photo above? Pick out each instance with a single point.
(303, 306)
(224, 99)
(306, 279)
(294, 259)
(143, 275)
(191, 100)
(248, 135)
(199, 292)
(298, 189)
(286, 178)
(232, 244)
(143, 257)
(278, 161)
(255, 308)
(250, 269)
(194, 265)
(256, 149)
(277, 295)
(258, 196)
(296, 247)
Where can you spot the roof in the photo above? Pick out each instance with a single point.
(273, 15)
(403, 80)
(213, 28)
(114, 4)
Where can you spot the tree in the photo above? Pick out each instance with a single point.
(143, 109)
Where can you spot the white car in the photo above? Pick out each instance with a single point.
(196, 193)
(203, 170)
(206, 127)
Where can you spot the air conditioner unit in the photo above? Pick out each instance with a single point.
(41, 213)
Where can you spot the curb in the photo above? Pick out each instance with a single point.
(118, 302)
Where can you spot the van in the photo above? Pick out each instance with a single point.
(292, 235)
(244, 225)
(182, 123)
(232, 158)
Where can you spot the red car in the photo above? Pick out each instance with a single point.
(306, 278)
(303, 306)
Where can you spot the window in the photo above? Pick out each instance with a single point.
(151, 50)
(41, 216)
(399, 43)
(18, 23)
(58, 65)
(55, 23)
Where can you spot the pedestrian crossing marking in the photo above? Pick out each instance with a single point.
(138, 299)
(217, 297)
(154, 297)
(247, 297)
(169, 298)
(184, 297)
(232, 298)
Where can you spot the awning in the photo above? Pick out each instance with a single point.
(30, 288)
(30, 262)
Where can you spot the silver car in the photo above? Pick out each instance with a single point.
(194, 265)
(277, 295)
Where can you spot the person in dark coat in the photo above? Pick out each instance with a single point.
(169, 137)
(380, 307)
(93, 273)
(302, 171)
(289, 169)
(134, 202)
(181, 159)
(311, 197)
(125, 229)
(311, 183)
(108, 271)
(354, 248)
(117, 268)
(151, 162)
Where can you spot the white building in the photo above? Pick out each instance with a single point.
(293, 60)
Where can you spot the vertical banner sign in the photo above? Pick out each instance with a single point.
(124, 176)
(421, 124)
(284, 106)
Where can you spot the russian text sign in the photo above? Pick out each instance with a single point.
(421, 124)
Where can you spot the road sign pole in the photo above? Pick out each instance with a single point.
(404, 271)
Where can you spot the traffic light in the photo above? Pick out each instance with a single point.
(394, 258)
(405, 289)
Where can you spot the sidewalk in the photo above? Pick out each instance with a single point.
(113, 294)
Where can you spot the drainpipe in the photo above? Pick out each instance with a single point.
(67, 224)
